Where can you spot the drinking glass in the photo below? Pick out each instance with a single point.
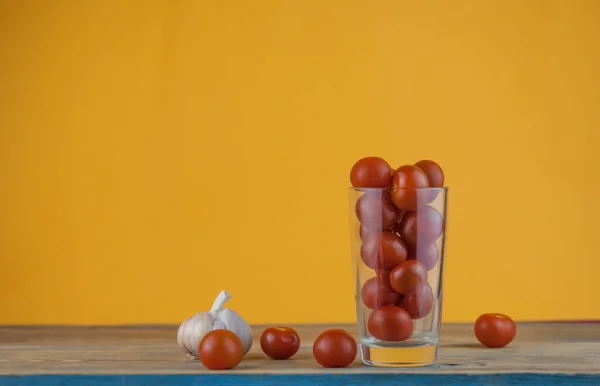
(398, 260)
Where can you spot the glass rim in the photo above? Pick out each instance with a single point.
(445, 188)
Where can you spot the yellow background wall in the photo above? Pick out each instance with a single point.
(156, 152)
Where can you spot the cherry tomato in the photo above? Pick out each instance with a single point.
(427, 255)
(220, 350)
(377, 292)
(362, 231)
(396, 227)
(390, 323)
(434, 172)
(335, 348)
(280, 342)
(384, 275)
(495, 330)
(371, 172)
(419, 302)
(406, 182)
(383, 250)
(405, 277)
(375, 212)
(422, 227)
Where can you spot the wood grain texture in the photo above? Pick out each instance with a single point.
(132, 353)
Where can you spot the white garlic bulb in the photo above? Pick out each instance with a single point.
(193, 329)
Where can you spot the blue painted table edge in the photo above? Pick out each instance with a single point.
(531, 379)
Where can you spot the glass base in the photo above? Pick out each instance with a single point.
(411, 354)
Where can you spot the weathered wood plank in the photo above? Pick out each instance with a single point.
(540, 348)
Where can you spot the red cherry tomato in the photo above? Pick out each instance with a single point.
(335, 348)
(280, 342)
(384, 275)
(405, 277)
(383, 250)
(375, 212)
(363, 231)
(390, 323)
(419, 302)
(371, 172)
(422, 227)
(377, 292)
(406, 181)
(220, 350)
(425, 254)
(495, 330)
(434, 172)
(396, 228)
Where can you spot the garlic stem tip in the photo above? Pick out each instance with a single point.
(220, 301)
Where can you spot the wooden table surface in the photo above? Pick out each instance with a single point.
(542, 354)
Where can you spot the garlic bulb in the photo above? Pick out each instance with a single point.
(193, 329)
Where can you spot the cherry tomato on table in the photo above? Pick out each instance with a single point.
(377, 292)
(371, 172)
(390, 323)
(421, 227)
(495, 330)
(375, 212)
(406, 182)
(383, 251)
(280, 342)
(419, 302)
(405, 277)
(220, 350)
(335, 348)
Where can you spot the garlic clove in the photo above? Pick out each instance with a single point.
(188, 330)
(203, 325)
(181, 335)
(219, 324)
(233, 322)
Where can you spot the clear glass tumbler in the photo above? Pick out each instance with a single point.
(398, 257)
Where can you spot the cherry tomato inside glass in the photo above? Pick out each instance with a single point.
(220, 350)
(434, 173)
(375, 212)
(406, 181)
(383, 250)
(396, 227)
(335, 348)
(377, 292)
(419, 302)
(362, 231)
(421, 227)
(390, 323)
(495, 330)
(405, 277)
(427, 255)
(371, 172)
(280, 342)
